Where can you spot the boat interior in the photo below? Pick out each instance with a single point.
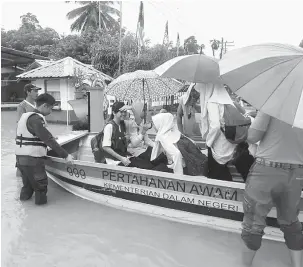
(80, 148)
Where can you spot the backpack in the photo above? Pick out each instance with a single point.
(96, 144)
(236, 125)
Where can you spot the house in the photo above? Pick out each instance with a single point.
(13, 63)
(58, 79)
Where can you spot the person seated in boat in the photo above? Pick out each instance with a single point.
(139, 144)
(188, 107)
(114, 141)
(184, 157)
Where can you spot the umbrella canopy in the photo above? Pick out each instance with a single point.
(269, 77)
(142, 85)
(195, 68)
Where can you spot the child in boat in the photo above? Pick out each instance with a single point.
(184, 157)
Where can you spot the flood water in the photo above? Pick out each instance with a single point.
(70, 231)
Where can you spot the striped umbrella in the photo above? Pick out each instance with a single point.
(142, 85)
(269, 77)
(195, 68)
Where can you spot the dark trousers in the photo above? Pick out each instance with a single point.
(143, 161)
(216, 170)
(34, 179)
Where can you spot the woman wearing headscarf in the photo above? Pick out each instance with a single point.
(186, 112)
(213, 97)
(182, 154)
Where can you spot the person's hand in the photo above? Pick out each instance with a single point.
(125, 108)
(145, 128)
(69, 159)
(125, 161)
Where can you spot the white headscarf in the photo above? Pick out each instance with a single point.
(167, 131)
(214, 93)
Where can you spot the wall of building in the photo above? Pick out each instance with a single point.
(61, 89)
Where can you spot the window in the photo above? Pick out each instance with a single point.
(53, 88)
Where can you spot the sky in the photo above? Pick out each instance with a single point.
(244, 22)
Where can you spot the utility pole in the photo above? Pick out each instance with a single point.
(99, 15)
(120, 42)
(228, 44)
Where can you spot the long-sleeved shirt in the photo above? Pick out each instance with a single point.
(36, 126)
(222, 149)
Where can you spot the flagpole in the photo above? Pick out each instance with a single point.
(120, 44)
(99, 15)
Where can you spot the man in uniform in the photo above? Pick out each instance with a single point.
(31, 148)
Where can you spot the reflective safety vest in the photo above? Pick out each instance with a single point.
(26, 143)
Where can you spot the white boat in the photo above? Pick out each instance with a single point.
(189, 199)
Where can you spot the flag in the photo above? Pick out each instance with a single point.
(178, 44)
(166, 39)
(140, 29)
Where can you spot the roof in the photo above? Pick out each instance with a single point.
(62, 68)
(38, 63)
(12, 57)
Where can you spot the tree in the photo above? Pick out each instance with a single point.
(29, 22)
(88, 15)
(214, 45)
(190, 45)
(31, 37)
(301, 44)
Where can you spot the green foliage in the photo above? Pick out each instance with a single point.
(30, 37)
(88, 15)
(99, 47)
(191, 45)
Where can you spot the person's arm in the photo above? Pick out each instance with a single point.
(20, 111)
(35, 125)
(214, 123)
(107, 142)
(132, 130)
(136, 138)
(148, 141)
(239, 107)
(136, 114)
(179, 118)
(258, 128)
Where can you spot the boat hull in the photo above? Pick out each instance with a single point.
(187, 199)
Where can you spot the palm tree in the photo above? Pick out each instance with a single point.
(88, 15)
(214, 45)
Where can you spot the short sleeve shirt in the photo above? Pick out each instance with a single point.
(281, 142)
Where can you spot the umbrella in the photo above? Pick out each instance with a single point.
(269, 77)
(142, 85)
(195, 68)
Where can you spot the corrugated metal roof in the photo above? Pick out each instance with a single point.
(65, 67)
(12, 57)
